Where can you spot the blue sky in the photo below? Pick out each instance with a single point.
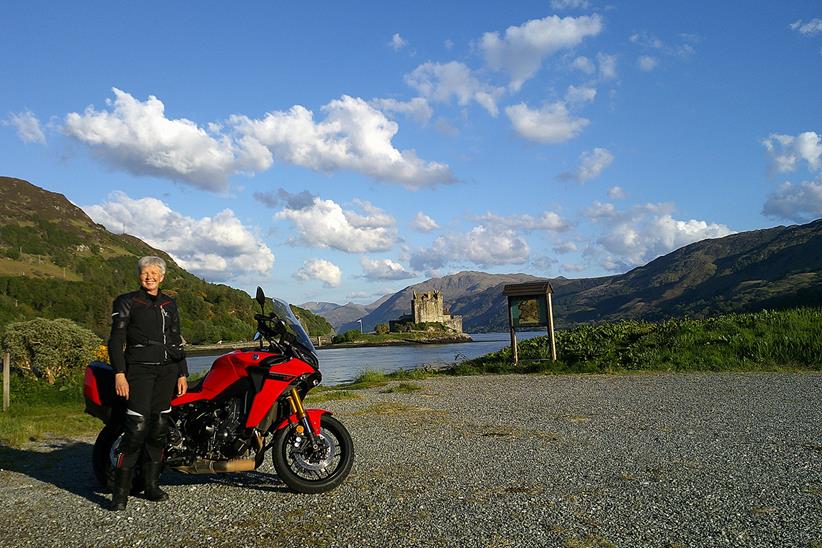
(341, 151)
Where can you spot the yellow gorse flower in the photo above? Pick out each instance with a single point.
(101, 354)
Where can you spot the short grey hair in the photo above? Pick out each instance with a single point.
(146, 262)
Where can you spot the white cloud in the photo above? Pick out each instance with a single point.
(646, 40)
(547, 221)
(482, 245)
(550, 124)
(218, 247)
(599, 210)
(28, 127)
(591, 165)
(320, 270)
(137, 137)
(649, 42)
(607, 66)
(354, 136)
(282, 196)
(521, 50)
(397, 42)
(423, 222)
(786, 151)
(580, 94)
(384, 269)
(800, 203)
(643, 233)
(810, 28)
(647, 63)
(569, 4)
(448, 44)
(440, 82)
(584, 64)
(543, 263)
(565, 247)
(616, 193)
(417, 108)
(325, 224)
(571, 267)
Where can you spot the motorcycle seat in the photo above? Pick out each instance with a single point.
(197, 386)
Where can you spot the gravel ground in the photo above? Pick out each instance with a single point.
(635, 460)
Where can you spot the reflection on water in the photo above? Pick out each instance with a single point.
(344, 364)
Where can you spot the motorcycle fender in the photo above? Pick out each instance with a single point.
(314, 416)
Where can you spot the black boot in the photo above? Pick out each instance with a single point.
(151, 475)
(122, 486)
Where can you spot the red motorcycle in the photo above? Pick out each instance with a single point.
(250, 401)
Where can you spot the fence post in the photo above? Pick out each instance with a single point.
(6, 380)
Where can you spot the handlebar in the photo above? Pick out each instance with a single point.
(270, 331)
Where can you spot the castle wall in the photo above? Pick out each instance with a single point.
(429, 307)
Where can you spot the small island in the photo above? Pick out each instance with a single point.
(428, 323)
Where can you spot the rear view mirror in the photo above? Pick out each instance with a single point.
(260, 297)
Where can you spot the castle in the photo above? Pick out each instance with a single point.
(429, 307)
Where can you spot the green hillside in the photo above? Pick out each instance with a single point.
(55, 262)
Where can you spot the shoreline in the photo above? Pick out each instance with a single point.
(452, 339)
(207, 349)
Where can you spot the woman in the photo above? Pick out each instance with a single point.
(149, 367)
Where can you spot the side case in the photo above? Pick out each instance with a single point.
(98, 390)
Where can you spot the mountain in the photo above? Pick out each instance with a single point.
(476, 288)
(778, 267)
(338, 315)
(320, 307)
(772, 268)
(55, 262)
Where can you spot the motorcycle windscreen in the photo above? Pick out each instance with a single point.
(283, 311)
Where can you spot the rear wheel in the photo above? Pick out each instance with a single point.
(313, 468)
(104, 456)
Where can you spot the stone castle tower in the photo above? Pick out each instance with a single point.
(430, 307)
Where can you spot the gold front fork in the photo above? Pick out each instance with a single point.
(298, 409)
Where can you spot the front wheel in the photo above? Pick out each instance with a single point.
(313, 468)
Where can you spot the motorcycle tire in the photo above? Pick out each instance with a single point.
(313, 471)
(102, 461)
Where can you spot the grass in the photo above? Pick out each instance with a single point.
(768, 340)
(39, 410)
(318, 396)
(375, 379)
(761, 341)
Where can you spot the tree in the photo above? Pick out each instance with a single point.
(382, 328)
(49, 349)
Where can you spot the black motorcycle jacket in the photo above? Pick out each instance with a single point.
(145, 329)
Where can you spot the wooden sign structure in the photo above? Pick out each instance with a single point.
(529, 305)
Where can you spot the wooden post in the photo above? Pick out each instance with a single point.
(6, 380)
(551, 329)
(513, 333)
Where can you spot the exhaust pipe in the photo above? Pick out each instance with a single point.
(203, 466)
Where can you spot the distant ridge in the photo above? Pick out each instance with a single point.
(779, 267)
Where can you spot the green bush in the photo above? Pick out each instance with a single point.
(760, 340)
(49, 349)
(349, 336)
(382, 329)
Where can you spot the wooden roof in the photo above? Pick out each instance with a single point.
(528, 288)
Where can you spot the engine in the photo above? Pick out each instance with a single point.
(213, 433)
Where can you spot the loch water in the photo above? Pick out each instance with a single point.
(339, 365)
